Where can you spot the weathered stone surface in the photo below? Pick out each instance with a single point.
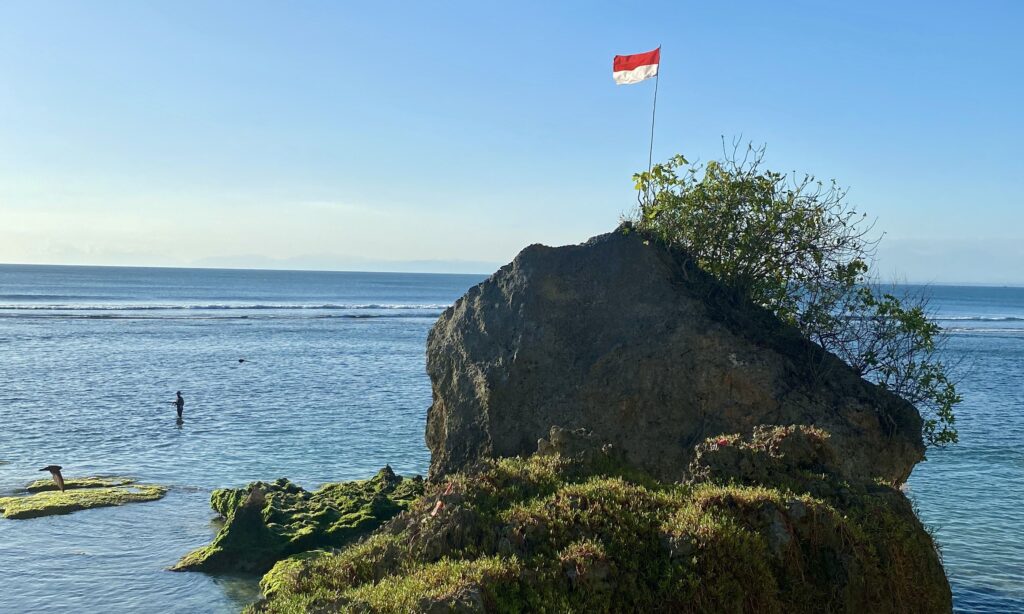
(633, 342)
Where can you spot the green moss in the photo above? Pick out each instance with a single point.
(285, 571)
(73, 483)
(323, 577)
(49, 503)
(225, 500)
(268, 522)
(446, 585)
(581, 534)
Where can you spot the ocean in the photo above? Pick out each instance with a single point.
(333, 388)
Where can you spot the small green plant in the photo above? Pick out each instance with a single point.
(794, 245)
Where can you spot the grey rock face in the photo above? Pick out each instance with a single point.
(633, 342)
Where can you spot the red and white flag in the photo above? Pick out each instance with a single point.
(635, 68)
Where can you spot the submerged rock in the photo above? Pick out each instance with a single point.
(86, 493)
(575, 529)
(266, 522)
(631, 340)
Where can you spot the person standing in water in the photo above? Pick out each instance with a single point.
(179, 404)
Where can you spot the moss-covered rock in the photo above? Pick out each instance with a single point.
(73, 483)
(267, 522)
(53, 502)
(285, 570)
(585, 533)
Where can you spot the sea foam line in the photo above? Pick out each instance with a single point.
(979, 319)
(218, 306)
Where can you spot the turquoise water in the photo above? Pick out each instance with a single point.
(972, 494)
(335, 388)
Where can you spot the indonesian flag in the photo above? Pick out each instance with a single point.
(635, 68)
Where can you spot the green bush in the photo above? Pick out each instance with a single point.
(795, 246)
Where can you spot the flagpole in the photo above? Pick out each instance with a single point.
(654, 110)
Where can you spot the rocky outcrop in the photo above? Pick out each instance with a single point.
(75, 483)
(44, 499)
(630, 340)
(266, 522)
(614, 431)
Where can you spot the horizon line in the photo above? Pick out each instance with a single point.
(229, 268)
(379, 272)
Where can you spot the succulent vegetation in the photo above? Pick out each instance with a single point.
(768, 524)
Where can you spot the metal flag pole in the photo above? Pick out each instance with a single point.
(654, 110)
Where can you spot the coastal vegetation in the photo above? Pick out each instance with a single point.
(79, 494)
(768, 524)
(794, 245)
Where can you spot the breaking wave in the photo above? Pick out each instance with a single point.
(221, 311)
(979, 319)
(221, 306)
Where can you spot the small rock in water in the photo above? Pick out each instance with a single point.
(48, 501)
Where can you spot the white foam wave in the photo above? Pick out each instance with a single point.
(982, 330)
(222, 306)
(979, 319)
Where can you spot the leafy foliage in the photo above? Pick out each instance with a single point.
(795, 246)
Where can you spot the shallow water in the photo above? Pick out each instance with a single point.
(91, 358)
(972, 494)
(335, 388)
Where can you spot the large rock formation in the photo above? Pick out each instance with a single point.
(591, 364)
(629, 339)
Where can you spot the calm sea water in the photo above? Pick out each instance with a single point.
(335, 388)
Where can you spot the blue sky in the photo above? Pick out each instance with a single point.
(447, 136)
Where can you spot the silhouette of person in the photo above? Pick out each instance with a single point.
(179, 403)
